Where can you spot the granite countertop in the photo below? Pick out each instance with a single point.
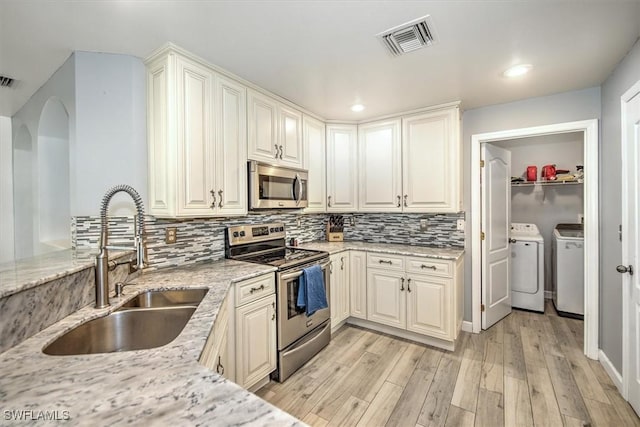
(17, 276)
(160, 386)
(387, 248)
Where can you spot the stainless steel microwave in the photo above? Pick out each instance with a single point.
(277, 187)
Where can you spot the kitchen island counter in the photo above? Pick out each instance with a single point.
(160, 386)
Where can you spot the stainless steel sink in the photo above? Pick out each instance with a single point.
(123, 331)
(171, 298)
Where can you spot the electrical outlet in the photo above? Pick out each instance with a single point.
(299, 221)
(352, 221)
(581, 218)
(171, 235)
(424, 225)
(460, 225)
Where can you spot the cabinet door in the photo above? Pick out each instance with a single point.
(358, 284)
(290, 137)
(262, 127)
(429, 306)
(431, 162)
(231, 165)
(255, 341)
(344, 291)
(386, 300)
(196, 142)
(342, 168)
(379, 167)
(315, 162)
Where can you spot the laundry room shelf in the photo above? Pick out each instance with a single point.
(545, 183)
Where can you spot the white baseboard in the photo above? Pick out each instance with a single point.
(611, 370)
(467, 326)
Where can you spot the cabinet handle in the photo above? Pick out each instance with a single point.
(402, 285)
(220, 194)
(213, 204)
(430, 267)
(276, 145)
(219, 367)
(408, 285)
(341, 263)
(273, 316)
(330, 266)
(281, 150)
(329, 201)
(384, 261)
(252, 290)
(405, 200)
(398, 201)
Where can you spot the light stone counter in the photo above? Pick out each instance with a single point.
(386, 248)
(161, 386)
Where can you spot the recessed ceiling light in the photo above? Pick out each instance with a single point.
(517, 70)
(357, 108)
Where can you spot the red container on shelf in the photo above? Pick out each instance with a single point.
(532, 173)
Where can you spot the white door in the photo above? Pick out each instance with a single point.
(496, 220)
(428, 305)
(386, 300)
(379, 167)
(315, 162)
(631, 244)
(342, 168)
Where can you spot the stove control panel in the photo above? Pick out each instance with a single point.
(253, 233)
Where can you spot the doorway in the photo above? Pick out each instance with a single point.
(589, 130)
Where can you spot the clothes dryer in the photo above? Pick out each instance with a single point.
(527, 267)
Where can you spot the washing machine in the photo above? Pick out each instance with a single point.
(527, 267)
(568, 269)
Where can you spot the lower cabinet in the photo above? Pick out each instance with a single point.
(242, 343)
(386, 301)
(339, 289)
(358, 284)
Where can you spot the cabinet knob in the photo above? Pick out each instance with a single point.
(398, 201)
(276, 145)
(384, 261)
(402, 284)
(405, 200)
(329, 201)
(219, 367)
(430, 267)
(341, 263)
(281, 150)
(273, 316)
(408, 285)
(220, 194)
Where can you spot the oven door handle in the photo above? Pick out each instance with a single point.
(299, 273)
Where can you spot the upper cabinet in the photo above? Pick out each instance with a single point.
(315, 161)
(197, 139)
(342, 168)
(431, 161)
(274, 131)
(380, 166)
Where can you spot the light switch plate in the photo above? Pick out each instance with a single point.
(171, 235)
(460, 225)
(424, 225)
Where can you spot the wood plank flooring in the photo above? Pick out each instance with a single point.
(527, 370)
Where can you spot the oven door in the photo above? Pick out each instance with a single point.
(276, 187)
(293, 323)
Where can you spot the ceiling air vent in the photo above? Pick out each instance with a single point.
(6, 81)
(409, 36)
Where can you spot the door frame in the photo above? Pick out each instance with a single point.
(591, 217)
(626, 178)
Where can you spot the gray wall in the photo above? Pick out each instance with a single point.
(559, 108)
(549, 205)
(623, 77)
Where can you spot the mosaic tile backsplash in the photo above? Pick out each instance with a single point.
(202, 239)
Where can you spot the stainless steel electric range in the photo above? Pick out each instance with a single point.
(300, 337)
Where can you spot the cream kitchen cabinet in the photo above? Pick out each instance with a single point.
(380, 166)
(431, 153)
(420, 295)
(342, 168)
(242, 343)
(274, 131)
(315, 161)
(196, 139)
(339, 289)
(358, 284)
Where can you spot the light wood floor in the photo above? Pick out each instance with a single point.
(526, 370)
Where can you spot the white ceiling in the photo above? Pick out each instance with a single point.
(324, 56)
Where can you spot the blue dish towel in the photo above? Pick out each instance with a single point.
(311, 293)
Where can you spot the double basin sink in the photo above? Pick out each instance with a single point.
(151, 319)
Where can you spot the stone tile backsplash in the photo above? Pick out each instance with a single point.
(202, 239)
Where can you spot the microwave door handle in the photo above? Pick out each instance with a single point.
(299, 187)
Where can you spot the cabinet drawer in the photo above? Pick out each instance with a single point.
(253, 289)
(435, 267)
(390, 262)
